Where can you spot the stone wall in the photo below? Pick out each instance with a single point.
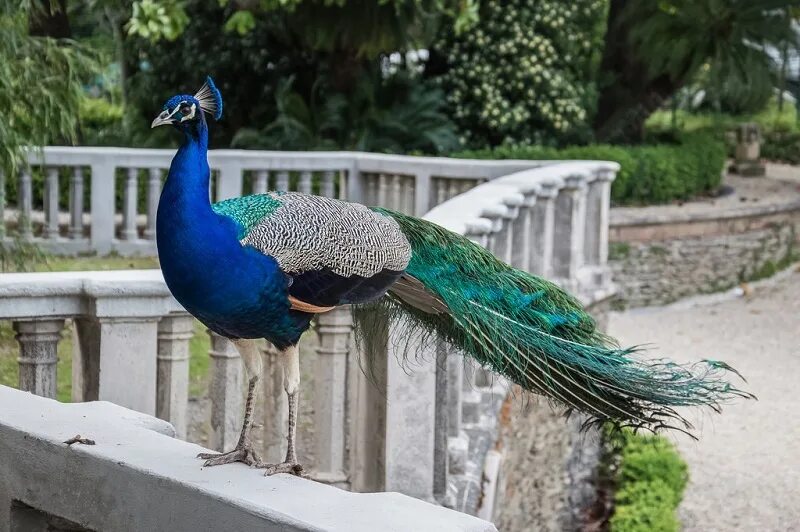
(550, 462)
(658, 263)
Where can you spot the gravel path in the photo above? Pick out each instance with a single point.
(745, 470)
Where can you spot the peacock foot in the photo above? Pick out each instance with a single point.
(291, 468)
(243, 452)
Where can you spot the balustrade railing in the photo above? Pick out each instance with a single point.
(409, 429)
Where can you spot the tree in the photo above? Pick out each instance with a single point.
(652, 49)
(524, 73)
(40, 86)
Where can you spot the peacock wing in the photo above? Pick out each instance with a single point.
(334, 252)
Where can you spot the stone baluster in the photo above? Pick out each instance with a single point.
(25, 202)
(172, 382)
(328, 188)
(497, 236)
(543, 221)
(453, 188)
(76, 203)
(51, 203)
(129, 229)
(276, 408)
(102, 207)
(383, 190)
(440, 186)
(422, 194)
(330, 377)
(408, 195)
(598, 203)
(38, 355)
(568, 231)
(522, 231)
(457, 440)
(153, 195)
(443, 412)
(282, 181)
(260, 183)
(396, 193)
(2, 205)
(371, 189)
(304, 185)
(225, 392)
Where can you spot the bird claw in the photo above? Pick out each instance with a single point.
(290, 468)
(242, 453)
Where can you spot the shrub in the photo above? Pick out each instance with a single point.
(649, 174)
(782, 146)
(524, 73)
(650, 477)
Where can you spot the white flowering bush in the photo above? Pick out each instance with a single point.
(523, 73)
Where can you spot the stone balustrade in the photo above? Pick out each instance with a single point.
(136, 477)
(408, 184)
(424, 429)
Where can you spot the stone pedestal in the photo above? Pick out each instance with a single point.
(748, 151)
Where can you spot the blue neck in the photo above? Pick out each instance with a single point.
(188, 179)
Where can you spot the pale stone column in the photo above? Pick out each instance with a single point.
(38, 355)
(330, 378)
(25, 204)
(76, 203)
(276, 407)
(542, 224)
(115, 360)
(129, 194)
(172, 382)
(51, 203)
(443, 411)
(226, 393)
(598, 202)
(153, 195)
(570, 217)
(522, 236)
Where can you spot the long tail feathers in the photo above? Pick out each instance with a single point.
(539, 337)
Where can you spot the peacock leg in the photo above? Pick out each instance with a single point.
(291, 383)
(243, 452)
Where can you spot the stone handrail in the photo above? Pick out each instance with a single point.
(549, 218)
(136, 477)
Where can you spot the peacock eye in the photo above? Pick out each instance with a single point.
(185, 109)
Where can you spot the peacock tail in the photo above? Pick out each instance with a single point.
(538, 336)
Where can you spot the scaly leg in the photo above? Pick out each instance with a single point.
(291, 383)
(243, 452)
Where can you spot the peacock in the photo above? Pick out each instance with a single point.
(262, 266)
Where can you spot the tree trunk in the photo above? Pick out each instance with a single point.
(48, 18)
(628, 93)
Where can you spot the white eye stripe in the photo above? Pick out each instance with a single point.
(190, 116)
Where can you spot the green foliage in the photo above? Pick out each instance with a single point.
(157, 19)
(781, 146)
(40, 88)
(101, 123)
(394, 115)
(649, 174)
(650, 477)
(523, 74)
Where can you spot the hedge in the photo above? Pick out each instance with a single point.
(649, 479)
(649, 174)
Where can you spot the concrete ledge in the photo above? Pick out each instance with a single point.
(137, 479)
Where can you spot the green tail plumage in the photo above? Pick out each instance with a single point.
(539, 337)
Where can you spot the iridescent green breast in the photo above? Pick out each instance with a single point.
(247, 211)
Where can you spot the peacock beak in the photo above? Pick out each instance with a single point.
(160, 120)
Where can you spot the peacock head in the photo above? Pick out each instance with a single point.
(184, 111)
